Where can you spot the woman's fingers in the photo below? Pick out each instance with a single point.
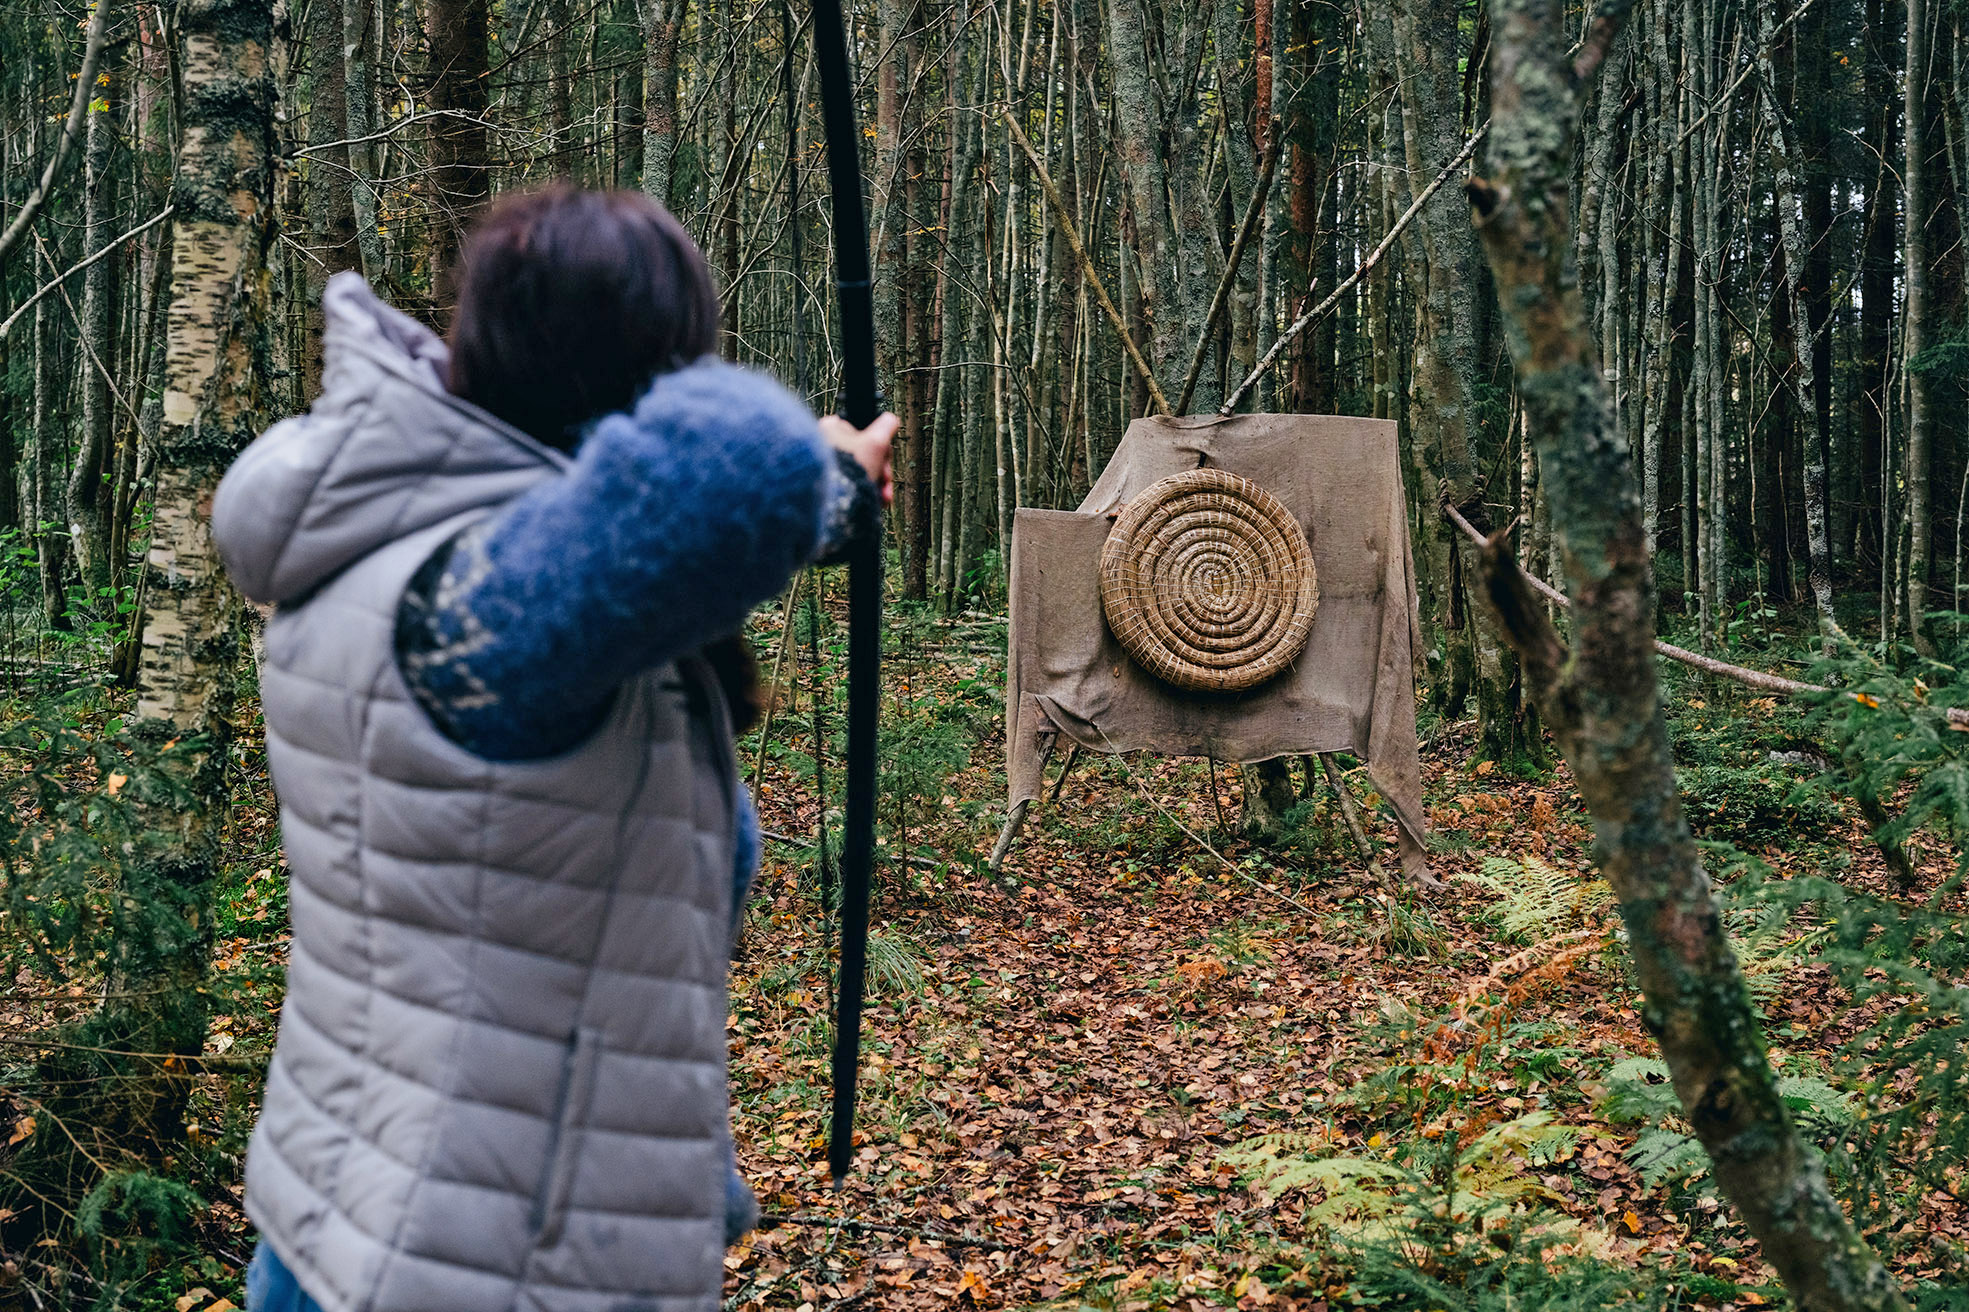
(871, 447)
(881, 436)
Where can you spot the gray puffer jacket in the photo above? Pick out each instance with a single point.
(500, 1075)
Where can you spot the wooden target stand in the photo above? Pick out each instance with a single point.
(1349, 807)
(1336, 780)
(1207, 582)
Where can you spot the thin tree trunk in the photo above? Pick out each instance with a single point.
(359, 93)
(85, 508)
(461, 179)
(1914, 275)
(42, 511)
(1876, 281)
(330, 197)
(661, 20)
(1796, 260)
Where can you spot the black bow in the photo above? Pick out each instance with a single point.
(861, 404)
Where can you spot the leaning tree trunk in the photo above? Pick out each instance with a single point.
(1601, 697)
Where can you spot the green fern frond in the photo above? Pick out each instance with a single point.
(1665, 1156)
(1538, 900)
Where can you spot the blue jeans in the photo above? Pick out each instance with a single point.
(270, 1285)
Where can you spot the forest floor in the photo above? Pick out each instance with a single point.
(1158, 1066)
(1055, 1067)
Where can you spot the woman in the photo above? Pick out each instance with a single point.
(500, 689)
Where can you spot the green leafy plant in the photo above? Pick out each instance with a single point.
(1904, 960)
(1667, 1153)
(1538, 900)
(1752, 803)
(1487, 1182)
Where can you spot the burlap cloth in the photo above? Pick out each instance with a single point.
(1352, 688)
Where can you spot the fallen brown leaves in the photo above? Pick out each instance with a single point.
(1042, 1124)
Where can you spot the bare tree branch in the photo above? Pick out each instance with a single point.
(77, 267)
(1366, 266)
(1086, 261)
(85, 86)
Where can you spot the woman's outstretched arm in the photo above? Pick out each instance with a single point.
(675, 520)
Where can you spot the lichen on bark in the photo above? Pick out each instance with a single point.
(1600, 695)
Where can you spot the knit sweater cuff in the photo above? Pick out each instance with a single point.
(851, 509)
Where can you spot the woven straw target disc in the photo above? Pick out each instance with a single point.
(1208, 582)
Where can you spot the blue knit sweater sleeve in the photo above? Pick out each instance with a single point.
(675, 519)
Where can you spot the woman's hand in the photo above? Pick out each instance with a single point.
(869, 447)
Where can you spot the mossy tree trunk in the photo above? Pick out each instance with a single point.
(1601, 697)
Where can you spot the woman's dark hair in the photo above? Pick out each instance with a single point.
(570, 302)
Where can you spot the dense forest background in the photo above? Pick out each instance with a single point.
(1082, 211)
(1769, 235)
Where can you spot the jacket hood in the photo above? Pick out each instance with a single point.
(385, 452)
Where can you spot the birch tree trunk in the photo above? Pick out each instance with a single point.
(211, 409)
(1601, 698)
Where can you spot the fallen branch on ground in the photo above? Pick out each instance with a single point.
(1958, 717)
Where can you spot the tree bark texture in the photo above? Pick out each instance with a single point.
(1797, 260)
(1914, 273)
(212, 403)
(461, 179)
(1601, 697)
